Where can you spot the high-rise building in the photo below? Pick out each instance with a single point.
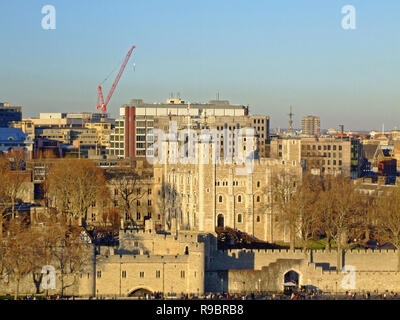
(311, 126)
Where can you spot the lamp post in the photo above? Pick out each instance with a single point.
(336, 289)
(259, 286)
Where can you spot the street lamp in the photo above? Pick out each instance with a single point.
(336, 288)
(259, 286)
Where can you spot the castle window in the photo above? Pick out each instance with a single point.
(98, 274)
(123, 274)
(158, 273)
(258, 199)
(239, 198)
(141, 274)
(258, 218)
(258, 184)
(239, 218)
(182, 274)
(220, 199)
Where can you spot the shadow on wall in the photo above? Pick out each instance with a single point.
(221, 263)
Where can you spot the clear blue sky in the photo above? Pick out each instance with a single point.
(268, 54)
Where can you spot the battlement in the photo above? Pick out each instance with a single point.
(316, 251)
(129, 258)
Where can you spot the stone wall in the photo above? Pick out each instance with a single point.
(362, 260)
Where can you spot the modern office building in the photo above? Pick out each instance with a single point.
(321, 155)
(8, 114)
(133, 136)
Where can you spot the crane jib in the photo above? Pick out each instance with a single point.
(103, 104)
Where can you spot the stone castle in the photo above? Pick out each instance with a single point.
(189, 262)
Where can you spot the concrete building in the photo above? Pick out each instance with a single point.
(311, 126)
(80, 135)
(9, 113)
(12, 138)
(321, 155)
(133, 136)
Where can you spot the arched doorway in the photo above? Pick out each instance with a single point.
(290, 282)
(220, 221)
(292, 277)
(141, 292)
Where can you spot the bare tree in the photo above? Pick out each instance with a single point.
(127, 184)
(71, 255)
(387, 218)
(62, 246)
(75, 185)
(341, 205)
(13, 177)
(111, 220)
(19, 251)
(294, 198)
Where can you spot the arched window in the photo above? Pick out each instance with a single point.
(220, 199)
(258, 218)
(258, 199)
(239, 218)
(220, 221)
(239, 198)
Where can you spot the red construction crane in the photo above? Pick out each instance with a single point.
(103, 104)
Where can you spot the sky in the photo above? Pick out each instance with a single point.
(265, 54)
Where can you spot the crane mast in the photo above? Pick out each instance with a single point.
(101, 104)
